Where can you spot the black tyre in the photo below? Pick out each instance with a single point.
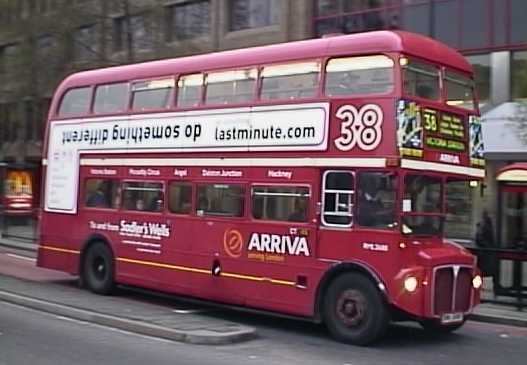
(354, 310)
(98, 269)
(435, 327)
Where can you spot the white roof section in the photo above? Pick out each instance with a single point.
(505, 131)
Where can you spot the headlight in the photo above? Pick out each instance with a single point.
(477, 282)
(410, 284)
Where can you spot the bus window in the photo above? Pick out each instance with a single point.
(180, 197)
(143, 196)
(280, 203)
(377, 199)
(421, 80)
(422, 205)
(189, 90)
(101, 193)
(338, 198)
(230, 86)
(359, 75)
(291, 81)
(220, 199)
(459, 90)
(111, 98)
(153, 94)
(75, 102)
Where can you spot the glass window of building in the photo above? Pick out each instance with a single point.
(481, 65)
(475, 25)
(459, 90)
(152, 94)
(111, 98)
(290, 81)
(518, 25)
(416, 16)
(421, 80)
(230, 86)
(188, 20)
(280, 203)
(245, 14)
(84, 43)
(359, 75)
(519, 75)
(446, 20)
(138, 32)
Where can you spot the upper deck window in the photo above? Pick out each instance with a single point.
(290, 81)
(421, 79)
(459, 90)
(152, 94)
(189, 90)
(111, 98)
(230, 86)
(75, 102)
(359, 75)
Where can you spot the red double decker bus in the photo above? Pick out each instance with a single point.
(306, 178)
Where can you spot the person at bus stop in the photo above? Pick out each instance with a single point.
(485, 239)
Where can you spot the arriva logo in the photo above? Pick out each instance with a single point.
(233, 243)
(279, 244)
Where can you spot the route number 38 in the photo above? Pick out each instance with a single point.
(360, 128)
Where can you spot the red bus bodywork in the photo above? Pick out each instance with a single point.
(208, 256)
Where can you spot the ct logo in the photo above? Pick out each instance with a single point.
(233, 243)
(359, 127)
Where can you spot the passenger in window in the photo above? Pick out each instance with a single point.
(299, 213)
(376, 197)
(98, 198)
(140, 204)
(156, 203)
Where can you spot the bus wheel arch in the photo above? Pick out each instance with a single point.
(97, 265)
(353, 304)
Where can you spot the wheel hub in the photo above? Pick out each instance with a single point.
(351, 307)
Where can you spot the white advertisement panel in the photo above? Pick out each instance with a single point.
(301, 127)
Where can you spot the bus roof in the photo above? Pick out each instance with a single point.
(363, 43)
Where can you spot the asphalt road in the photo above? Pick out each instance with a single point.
(30, 337)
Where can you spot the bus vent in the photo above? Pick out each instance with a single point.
(452, 289)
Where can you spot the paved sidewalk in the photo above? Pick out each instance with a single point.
(175, 321)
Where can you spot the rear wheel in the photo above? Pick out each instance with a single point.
(98, 269)
(354, 310)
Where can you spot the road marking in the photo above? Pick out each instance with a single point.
(190, 311)
(21, 257)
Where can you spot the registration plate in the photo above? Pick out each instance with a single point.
(447, 318)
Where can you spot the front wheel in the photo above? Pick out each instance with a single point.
(354, 310)
(98, 269)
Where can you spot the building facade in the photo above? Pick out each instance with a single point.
(42, 41)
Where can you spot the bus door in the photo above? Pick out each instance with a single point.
(281, 241)
(220, 210)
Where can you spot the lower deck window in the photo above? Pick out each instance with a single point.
(101, 193)
(280, 203)
(143, 196)
(221, 200)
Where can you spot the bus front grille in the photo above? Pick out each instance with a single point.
(452, 289)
